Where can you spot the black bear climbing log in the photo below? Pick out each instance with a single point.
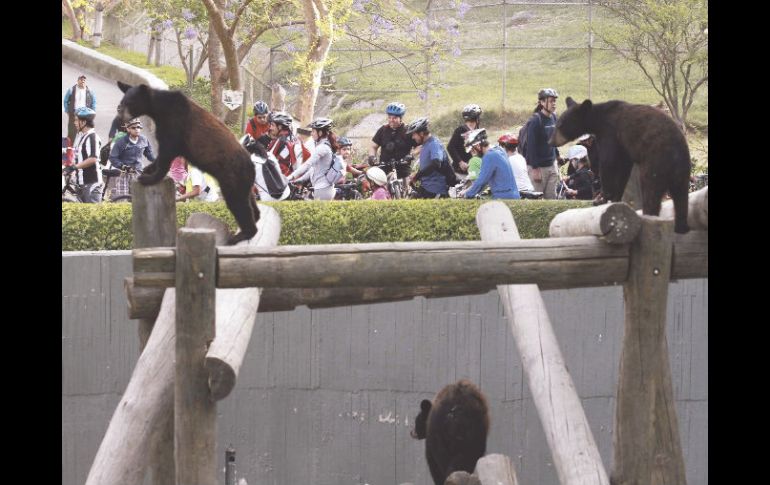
(184, 128)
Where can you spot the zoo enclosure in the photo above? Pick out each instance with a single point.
(650, 260)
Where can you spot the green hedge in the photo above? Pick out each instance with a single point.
(92, 227)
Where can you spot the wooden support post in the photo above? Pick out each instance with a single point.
(614, 223)
(647, 448)
(153, 221)
(575, 455)
(148, 401)
(195, 419)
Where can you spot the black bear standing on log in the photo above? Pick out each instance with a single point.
(628, 134)
(184, 128)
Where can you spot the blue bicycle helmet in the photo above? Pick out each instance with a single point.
(260, 108)
(396, 109)
(547, 93)
(85, 113)
(344, 141)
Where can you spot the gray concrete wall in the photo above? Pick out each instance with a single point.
(329, 396)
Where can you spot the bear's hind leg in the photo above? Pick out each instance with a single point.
(154, 172)
(237, 201)
(681, 197)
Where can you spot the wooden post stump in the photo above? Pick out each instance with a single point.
(646, 443)
(153, 221)
(569, 437)
(195, 420)
(616, 223)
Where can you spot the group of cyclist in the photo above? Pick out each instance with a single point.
(470, 163)
(292, 160)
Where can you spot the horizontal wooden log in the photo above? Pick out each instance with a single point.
(552, 263)
(697, 210)
(615, 223)
(144, 301)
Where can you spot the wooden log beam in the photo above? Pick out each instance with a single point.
(496, 469)
(614, 223)
(646, 444)
(195, 413)
(697, 209)
(144, 302)
(557, 263)
(236, 313)
(575, 455)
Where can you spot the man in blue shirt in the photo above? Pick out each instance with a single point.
(542, 157)
(495, 169)
(435, 171)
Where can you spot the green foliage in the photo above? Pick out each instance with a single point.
(200, 92)
(91, 227)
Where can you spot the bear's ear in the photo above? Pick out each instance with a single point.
(425, 405)
(123, 86)
(570, 102)
(586, 105)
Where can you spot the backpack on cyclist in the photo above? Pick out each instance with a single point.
(275, 183)
(448, 172)
(335, 169)
(523, 145)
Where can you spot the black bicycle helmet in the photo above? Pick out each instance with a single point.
(547, 93)
(420, 124)
(344, 141)
(476, 136)
(396, 109)
(260, 108)
(322, 123)
(472, 112)
(282, 118)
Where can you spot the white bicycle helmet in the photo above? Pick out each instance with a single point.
(577, 151)
(377, 176)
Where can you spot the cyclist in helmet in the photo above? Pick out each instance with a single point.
(580, 183)
(392, 140)
(346, 152)
(378, 180)
(456, 146)
(541, 156)
(321, 163)
(510, 144)
(435, 173)
(86, 153)
(258, 125)
(495, 169)
(283, 145)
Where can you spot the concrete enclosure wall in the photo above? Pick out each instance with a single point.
(329, 396)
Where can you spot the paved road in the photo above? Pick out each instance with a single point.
(108, 95)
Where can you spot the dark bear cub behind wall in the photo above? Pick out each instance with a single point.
(455, 427)
(628, 134)
(184, 128)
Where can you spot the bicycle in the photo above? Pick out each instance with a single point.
(70, 189)
(396, 186)
(347, 191)
(117, 185)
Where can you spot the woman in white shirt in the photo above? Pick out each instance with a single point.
(321, 161)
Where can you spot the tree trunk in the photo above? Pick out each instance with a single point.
(227, 44)
(67, 9)
(96, 39)
(215, 70)
(319, 43)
